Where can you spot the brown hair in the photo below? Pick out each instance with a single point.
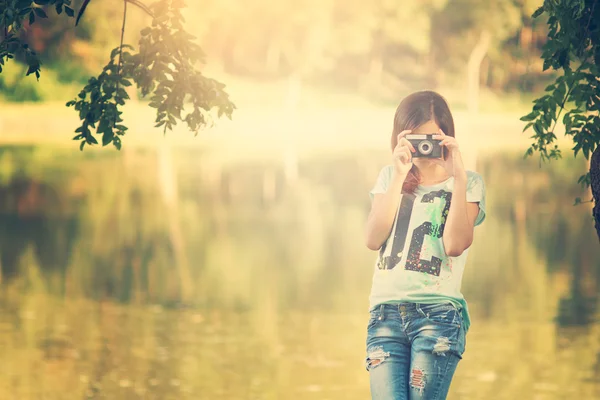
(415, 110)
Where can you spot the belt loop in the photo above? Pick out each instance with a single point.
(381, 313)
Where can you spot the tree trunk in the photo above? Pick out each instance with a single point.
(375, 71)
(595, 184)
(168, 187)
(294, 91)
(473, 71)
(526, 38)
(273, 56)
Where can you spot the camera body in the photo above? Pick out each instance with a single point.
(425, 145)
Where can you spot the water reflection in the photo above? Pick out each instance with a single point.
(149, 275)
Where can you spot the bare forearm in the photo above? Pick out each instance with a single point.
(381, 218)
(458, 231)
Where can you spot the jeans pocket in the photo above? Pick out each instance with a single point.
(441, 313)
(375, 317)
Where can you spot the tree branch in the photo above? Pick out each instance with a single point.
(121, 49)
(142, 6)
(122, 38)
(587, 27)
(81, 11)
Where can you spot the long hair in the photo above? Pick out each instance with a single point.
(415, 110)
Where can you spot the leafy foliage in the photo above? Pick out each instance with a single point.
(164, 68)
(14, 15)
(573, 47)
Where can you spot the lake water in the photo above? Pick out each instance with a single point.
(145, 275)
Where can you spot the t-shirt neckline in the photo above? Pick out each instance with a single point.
(436, 184)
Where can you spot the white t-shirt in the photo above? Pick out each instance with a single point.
(412, 265)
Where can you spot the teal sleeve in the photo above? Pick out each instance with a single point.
(383, 181)
(476, 194)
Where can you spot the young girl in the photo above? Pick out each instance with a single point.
(422, 218)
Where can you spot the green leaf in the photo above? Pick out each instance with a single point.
(538, 12)
(69, 11)
(81, 145)
(31, 18)
(107, 137)
(530, 117)
(547, 64)
(220, 113)
(114, 52)
(103, 126)
(577, 201)
(559, 93)
(537, 127)
(40, 12)
(32, 69)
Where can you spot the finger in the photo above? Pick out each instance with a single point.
(404, 155)
(403, 133)
(401, 151)
(405, 142)
(448, 142)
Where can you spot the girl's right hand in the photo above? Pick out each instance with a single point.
(403, 154)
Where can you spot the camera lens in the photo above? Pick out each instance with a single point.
(425, 147)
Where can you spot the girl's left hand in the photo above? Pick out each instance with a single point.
(453, 163)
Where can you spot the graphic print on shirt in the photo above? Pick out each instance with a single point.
(432, 227)
(403, 219)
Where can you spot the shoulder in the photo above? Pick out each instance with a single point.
(475, 184)
(474, 176)
(383, 180)
(388, 169)
(386, 172)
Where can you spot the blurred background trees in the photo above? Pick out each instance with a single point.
(377, 48)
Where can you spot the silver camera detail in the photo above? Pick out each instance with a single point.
(425, 145)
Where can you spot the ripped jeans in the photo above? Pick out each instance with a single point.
(413, 350)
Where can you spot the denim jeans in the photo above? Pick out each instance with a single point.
(413, 350)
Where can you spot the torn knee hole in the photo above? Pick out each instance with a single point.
(376, 357)
(374, 363)
(417, 378)
(442, 346)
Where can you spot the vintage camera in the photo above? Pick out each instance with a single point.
(425, 145)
